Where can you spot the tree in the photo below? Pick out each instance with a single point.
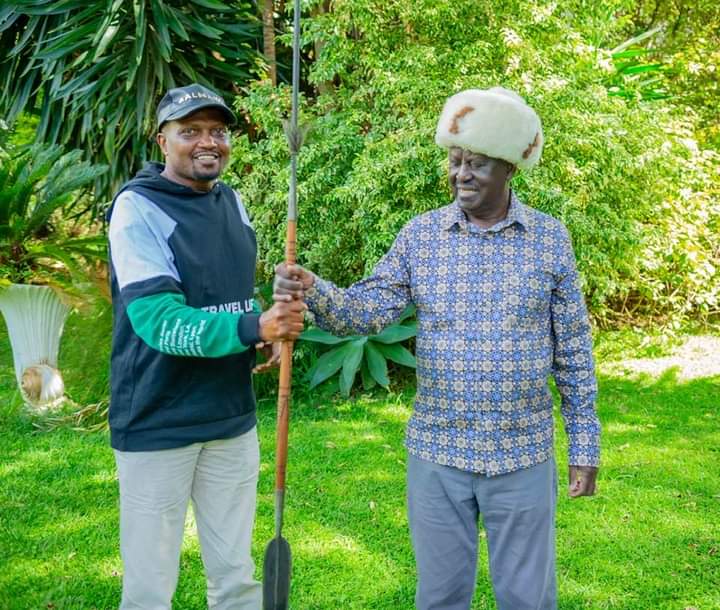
(687, 44)
(94, 69)
(268, 18)
(638, 193)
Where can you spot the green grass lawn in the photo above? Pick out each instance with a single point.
(649, 540)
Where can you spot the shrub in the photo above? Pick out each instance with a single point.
(369, 355)
(622, 173)
(40, 187)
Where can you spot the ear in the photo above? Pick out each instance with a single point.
(162, 142)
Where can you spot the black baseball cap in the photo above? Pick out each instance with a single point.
(183, 101)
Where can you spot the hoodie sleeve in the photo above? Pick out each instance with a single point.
(151, 289)
(170, 326)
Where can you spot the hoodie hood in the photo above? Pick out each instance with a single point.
(149, 180)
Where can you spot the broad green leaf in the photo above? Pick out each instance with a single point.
(73, 85)
(21, 100)
(367, 379)
(396, 333)
(408, 312)
(637, 69)
(213, 5)
(107, 38)
(7, 18)
(29, 31)
(636, 39)
(630, 53)
(376, 364)
(161, 29)
(329, 363)
(351, 365)
(200, 26)
(397, 353)
(318, 335)
(66, 47)
(239, 29)
(173, 20)
(107, 22)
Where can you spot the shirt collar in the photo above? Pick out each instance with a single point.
(453, 215)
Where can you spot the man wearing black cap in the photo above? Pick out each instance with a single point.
(185, 327)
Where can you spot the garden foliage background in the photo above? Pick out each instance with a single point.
(634, 177)
(627, 91)
(629, 97)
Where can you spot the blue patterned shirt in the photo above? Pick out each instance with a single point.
(498, 310)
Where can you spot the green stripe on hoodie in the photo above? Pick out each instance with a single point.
(167, 324)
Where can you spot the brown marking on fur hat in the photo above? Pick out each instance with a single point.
(529, 149)
(455, 128)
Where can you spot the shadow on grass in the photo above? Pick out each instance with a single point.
(649, 540)
(58, 520)
(662, 430)
(625, 548)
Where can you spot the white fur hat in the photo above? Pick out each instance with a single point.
(495, 122)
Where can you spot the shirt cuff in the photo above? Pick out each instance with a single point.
(249, 329)
(584, 453)
(318, 294)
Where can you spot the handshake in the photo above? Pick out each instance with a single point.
(284, 320)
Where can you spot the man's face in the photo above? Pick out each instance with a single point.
(196, 148)
(476, 179)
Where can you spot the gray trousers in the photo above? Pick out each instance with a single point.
(518, 513)
(220, 477)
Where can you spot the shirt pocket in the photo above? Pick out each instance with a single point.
(526, 296)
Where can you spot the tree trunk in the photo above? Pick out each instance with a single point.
(319, 9)
(269, 39)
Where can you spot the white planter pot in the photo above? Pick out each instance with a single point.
(35, 317)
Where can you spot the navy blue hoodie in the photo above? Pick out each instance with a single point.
(184, 321)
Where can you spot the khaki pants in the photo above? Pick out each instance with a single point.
(220, 477)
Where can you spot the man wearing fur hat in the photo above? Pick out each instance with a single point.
(499, 310)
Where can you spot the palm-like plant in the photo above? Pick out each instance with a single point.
(38, 187)
(94, 69)
(367, 354)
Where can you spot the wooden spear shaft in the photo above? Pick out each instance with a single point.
(295, 142)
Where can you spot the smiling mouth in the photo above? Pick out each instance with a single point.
(207, 157)
(466, 192)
